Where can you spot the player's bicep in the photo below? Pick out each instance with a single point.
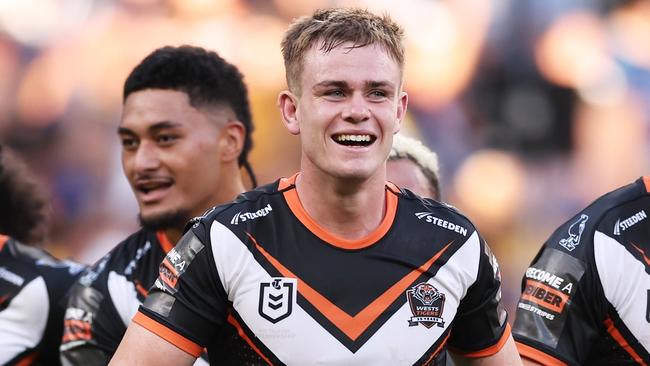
(142, 347)
(186, 299)
(480, 328)
(556, 309)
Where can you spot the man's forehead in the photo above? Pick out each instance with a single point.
(370, 63)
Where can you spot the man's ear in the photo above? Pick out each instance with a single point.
(288, 104)
(232, 141)
(402, 104)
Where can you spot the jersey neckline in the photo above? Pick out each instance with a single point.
(292, 199)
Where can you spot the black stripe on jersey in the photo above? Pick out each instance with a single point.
(249, 352)
(615, 327)
(374, 326)
(437, 354)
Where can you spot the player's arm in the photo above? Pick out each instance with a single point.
(86, 340)
(506, 356)
(481, 334)
(159, 352)
(181, 313)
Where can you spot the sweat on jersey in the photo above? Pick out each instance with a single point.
(586, 296)
(292, 293)
(33, 285)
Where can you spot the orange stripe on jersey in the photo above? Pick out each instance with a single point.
(240, 331)
(442, 344)
(352, 326)
(492, 349)
(291, 196)
(167, 334)
(645, 258)
(165, 244)
(646, 182)
(544, 296)
(3, 240)
(618, 337)
(538, 356)
(138, 286)
(28, 360)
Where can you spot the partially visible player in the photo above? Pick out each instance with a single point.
(333, 265)
(33, 284)
(586, 295)
(185, 132)
(413, 166)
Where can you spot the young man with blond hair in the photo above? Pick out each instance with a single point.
(332, 265)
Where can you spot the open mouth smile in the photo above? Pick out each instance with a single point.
(354, 140)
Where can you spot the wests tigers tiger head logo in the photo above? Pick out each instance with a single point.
(427, 305)
(426, 293)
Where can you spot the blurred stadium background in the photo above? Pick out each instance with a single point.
(534, 107)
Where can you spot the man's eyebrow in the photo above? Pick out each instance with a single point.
(153, 128)
(379, 84)
(332, 83)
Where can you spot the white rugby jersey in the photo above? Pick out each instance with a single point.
(296, 294)
(586, 296)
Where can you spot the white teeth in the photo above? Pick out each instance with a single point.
(355, 138)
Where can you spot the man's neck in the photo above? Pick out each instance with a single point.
(229, 188)
(348, 209)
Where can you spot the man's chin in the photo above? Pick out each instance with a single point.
(165, 220)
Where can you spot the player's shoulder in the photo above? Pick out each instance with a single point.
(45, 264)
(120, 257)
(612, 214)
(247, 207)
(431, 210)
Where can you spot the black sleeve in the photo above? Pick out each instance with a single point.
(187, 298)
(92, 327)
(480, 327)
(559, 311)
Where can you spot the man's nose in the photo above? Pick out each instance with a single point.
(146, 157)
(357, 109)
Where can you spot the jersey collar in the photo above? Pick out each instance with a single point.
(291, 196)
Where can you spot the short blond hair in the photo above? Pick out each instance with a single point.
(414, 150)
(333, 27)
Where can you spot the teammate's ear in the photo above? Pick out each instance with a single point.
(402, 104)
(232, 141)
(288, 104)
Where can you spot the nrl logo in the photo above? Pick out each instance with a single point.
(276, 298)
(426, 304)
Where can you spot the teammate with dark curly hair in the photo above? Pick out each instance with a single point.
(185, 133)
(32, 283)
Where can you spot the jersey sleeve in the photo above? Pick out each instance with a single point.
(92, 327)
(480, 328)
(23, 322)
(559, 311)
(186, 306)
